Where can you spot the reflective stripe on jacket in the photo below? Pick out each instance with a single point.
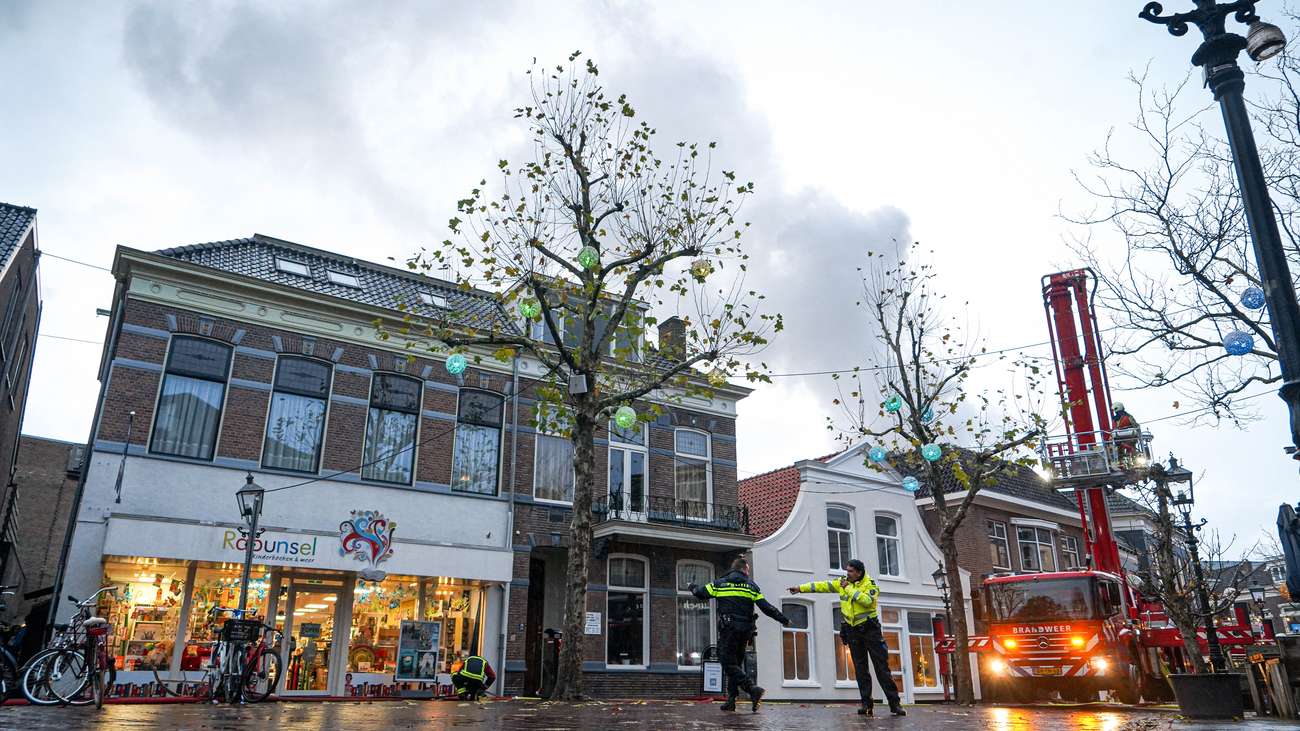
(474, 668)
(857, 600)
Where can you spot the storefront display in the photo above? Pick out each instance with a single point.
(217, 586)
(145, 613)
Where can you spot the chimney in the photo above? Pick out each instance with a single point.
(672, 338)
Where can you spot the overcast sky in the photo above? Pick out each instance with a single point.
(354, 127)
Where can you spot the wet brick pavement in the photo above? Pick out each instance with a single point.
(518, 714)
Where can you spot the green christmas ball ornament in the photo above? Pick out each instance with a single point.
(701, 268)
(456, 364)
(893, 404)
(588, 258)
(529, 309)
(625, 417)
(931, 452)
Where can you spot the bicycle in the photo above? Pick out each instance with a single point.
(57, 674)
(84, 674)
(241, 666)
(8, 663)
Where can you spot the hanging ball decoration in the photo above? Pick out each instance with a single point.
(701, 268)
(1252, 298)
(529, 309)
(717, 378)
(588, 258)
(625, 417)
(931, 452)
(911, 484)
(1238, 342)
(893, 404)
(877, 454)
(928, 416)
(456, 364)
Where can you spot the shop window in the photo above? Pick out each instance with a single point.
(553, 459)
(888, 547)
(378, 609)
(845, 672)
(627, 636)
(839, 536)
(476, 459)
(920, 638)
(694, 617)
(217, 587)
(1070, 552)
(390, 429)
(627, 473)
(890, 619)
(1036, 551)
(459, 604)
(146, 612)
(692, 473)
(997, 533)
(796, 644)
(295, 424)
(189, 404)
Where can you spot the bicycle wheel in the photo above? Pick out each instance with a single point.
(261, 677)
(66, 677)
(35, 679)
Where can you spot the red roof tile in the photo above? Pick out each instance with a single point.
(770, 497)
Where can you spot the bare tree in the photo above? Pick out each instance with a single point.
(1169, 190)
(588, 241)
(919, 402)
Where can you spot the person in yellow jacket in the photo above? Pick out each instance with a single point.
(861, 631)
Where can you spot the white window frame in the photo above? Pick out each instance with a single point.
(852, 531)
(433, 299)
(343, 279)
(683, 594)
(291, 266)
(538, 330)
(1038, 544)
(627, 448)
(811, 680)
(910, 665)
(837, 647)
(1006, 542)
(904, 658)
(542, 433)
(644, 590)
(1073, 544)
(708, 468)
(897, 540)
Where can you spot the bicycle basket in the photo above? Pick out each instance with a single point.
(241, 630)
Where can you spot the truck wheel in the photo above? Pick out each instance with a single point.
(1129, 690)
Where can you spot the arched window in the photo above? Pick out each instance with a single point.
(476, 459)
(888, 546)
(693, 474)
(391, 424)
(193, 392)
(627, 638)
(295, 422)
(839, 536)
(694, 616)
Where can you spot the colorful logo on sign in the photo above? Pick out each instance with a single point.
(367, 537)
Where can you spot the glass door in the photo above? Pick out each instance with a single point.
(309, 620)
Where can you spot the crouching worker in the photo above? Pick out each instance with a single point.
(737, 596)
(472, 677)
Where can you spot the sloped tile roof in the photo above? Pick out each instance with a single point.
(770, 497)
(14, 222)
(381, 286)
(1122, 505)
(1016, 481)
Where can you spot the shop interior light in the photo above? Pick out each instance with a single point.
(331, 598)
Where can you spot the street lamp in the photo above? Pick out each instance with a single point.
(1183, 501)
(945, 667)
(1258, 593)
(250, 508)
(1217, 57)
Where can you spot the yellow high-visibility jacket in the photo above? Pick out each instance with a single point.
(857, 600)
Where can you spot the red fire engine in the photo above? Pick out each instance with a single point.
(1083, 630)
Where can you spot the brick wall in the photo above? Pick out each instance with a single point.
(45, 493)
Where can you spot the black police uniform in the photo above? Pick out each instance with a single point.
(736, 596)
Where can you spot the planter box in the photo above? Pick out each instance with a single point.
(1209, 695)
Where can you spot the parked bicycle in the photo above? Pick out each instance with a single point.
(76, 667)
(243, 665)
(8, 662)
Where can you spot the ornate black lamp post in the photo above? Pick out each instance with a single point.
(1217, 57)
(1183, 502)
(941, 581)
(1258, 594)
(250, 509)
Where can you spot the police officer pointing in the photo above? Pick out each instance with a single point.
(737, 596)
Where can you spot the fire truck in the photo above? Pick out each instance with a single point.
(1086, 629)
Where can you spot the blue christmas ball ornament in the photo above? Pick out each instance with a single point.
(1238, 342)
(928, 416)
(456, 364)
(893, 404)
(877, 454)
(911, 484)
(931, 452)
(1252, 298)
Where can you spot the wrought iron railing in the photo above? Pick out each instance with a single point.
(1079, 457)
(656, 509)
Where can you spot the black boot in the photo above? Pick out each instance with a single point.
(896, 707)
(755, 695)
(866, 709)
(730, 705)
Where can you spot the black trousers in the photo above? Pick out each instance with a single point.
(866, 641)
(468, 688)
(732, 641)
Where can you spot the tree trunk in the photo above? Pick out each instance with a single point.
(961, 671)
(1177, 606)
(568, 685)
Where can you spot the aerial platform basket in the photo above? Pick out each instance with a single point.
(1118, 457)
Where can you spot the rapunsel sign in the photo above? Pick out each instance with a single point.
(273, 548)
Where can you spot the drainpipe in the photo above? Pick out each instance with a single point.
(105, 373)
(510, 515)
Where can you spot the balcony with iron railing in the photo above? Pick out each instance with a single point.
(668, 520)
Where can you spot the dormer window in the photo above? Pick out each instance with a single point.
(434, 298)
(290, 266)
(347, 280)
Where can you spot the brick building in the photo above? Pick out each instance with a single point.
(46, 480)
(21, 297)
(261, 357)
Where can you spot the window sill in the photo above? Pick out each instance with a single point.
(846, 684)
(556, 503)
(690, 669)
(800, 684)
(893, 579)
(626, 668)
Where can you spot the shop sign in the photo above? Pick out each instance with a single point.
(417, 651)
(367, 537)
(592, 626)
(272, 549)
(309, 630)
(712, 676)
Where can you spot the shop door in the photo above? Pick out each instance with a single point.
(309, 620)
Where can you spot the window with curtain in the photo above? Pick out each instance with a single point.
(189, 404)
(694, 616)
(476, 460)
(627, 461)
(692, 473)
(839, 536)
(626, 630)
(920, 639)
(844, 670)
(1036, 551)
(391, 425)
(796, 645)
(552, 459)
(997, 532)
(888, 546)
(1070, 552)
(891, 628)
(295, 424)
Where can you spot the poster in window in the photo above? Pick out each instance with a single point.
(417, 650)
(712, 676)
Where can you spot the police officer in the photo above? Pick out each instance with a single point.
(737, 595)
(860, 631)
(472, 677)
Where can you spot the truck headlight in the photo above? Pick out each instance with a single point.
(1100, 664)
(997, 666)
